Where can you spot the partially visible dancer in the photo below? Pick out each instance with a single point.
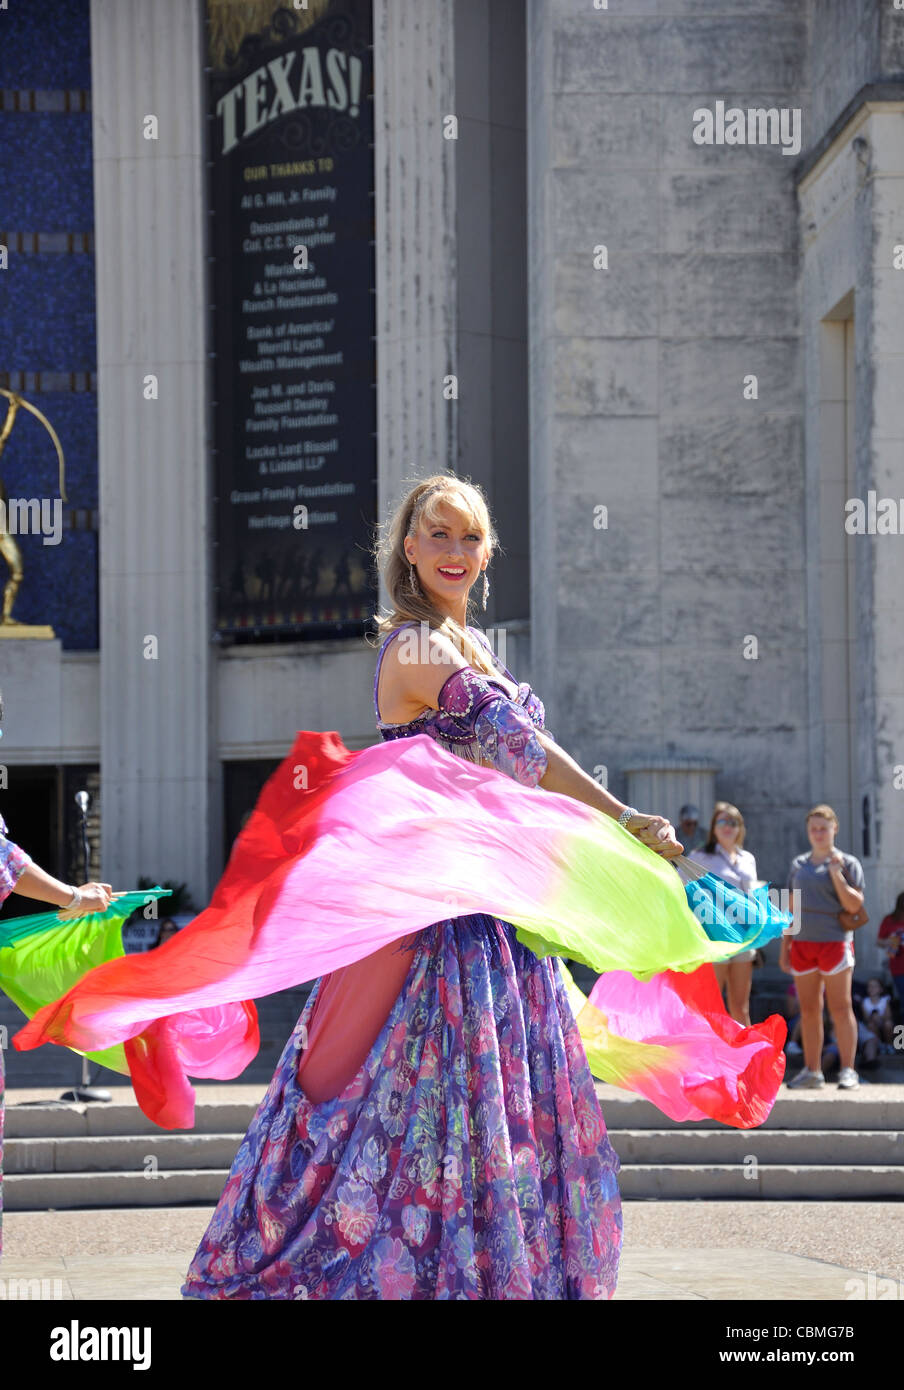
(20, 874)
(723, 854)
(891, 939)
(820, 954)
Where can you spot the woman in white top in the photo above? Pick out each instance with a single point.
(723, 854)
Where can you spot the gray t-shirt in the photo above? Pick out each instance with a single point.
(818, 900)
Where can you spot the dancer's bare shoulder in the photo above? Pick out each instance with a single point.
(416, 664)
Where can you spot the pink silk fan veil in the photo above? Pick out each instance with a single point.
(348, 854)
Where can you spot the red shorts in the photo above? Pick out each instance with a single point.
(828, 957)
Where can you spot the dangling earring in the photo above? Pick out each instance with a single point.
(412, 578)
(486, 588)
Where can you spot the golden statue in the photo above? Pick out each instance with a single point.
(9, 546)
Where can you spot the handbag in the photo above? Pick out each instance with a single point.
(850, 921)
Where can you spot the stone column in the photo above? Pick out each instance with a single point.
(414, 89)
(879, 606)
(160, 806)
(541, 346)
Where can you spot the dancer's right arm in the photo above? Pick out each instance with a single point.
(416, 676)
(20, 874)
(33, 882)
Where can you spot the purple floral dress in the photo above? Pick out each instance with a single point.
(467, 1159)
(13, 861)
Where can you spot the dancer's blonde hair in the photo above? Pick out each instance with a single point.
(422, 502)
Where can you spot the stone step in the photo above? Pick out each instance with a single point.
(199, 1151)
(120, 1118)
(778, 1182)
(826, 1110)
(815, 1145)
(668, 1181)
(63, 1191)
(139, 1154)
(810, 1147)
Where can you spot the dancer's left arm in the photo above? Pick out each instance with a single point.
(565, 776)
(511, 742)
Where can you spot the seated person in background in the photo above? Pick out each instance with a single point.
(858, 994)
(168, 929)
(867, 1047)
(875, 1010)
(794, 1046)
(791, 1010)
(830, 1058)
(688, 829)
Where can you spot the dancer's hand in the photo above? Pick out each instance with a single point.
(96, 897)
(657, 834)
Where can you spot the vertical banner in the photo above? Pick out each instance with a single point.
(292, 244)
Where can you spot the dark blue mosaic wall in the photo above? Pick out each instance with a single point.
(46, 45)
(47, 321)
(45, 168)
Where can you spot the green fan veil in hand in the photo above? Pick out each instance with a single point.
(42, 957)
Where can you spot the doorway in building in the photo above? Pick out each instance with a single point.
(31, 808)
(242, 785)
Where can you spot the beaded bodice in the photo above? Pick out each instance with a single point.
(453, 729)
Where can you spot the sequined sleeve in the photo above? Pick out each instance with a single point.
(13, 862)
(503, 731)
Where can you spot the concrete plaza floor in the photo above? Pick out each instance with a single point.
(747, 1251)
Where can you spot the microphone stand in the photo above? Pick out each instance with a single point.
(85, 1091)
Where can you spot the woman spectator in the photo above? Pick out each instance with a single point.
(891, 939)
(723, 854)
(820, 953)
